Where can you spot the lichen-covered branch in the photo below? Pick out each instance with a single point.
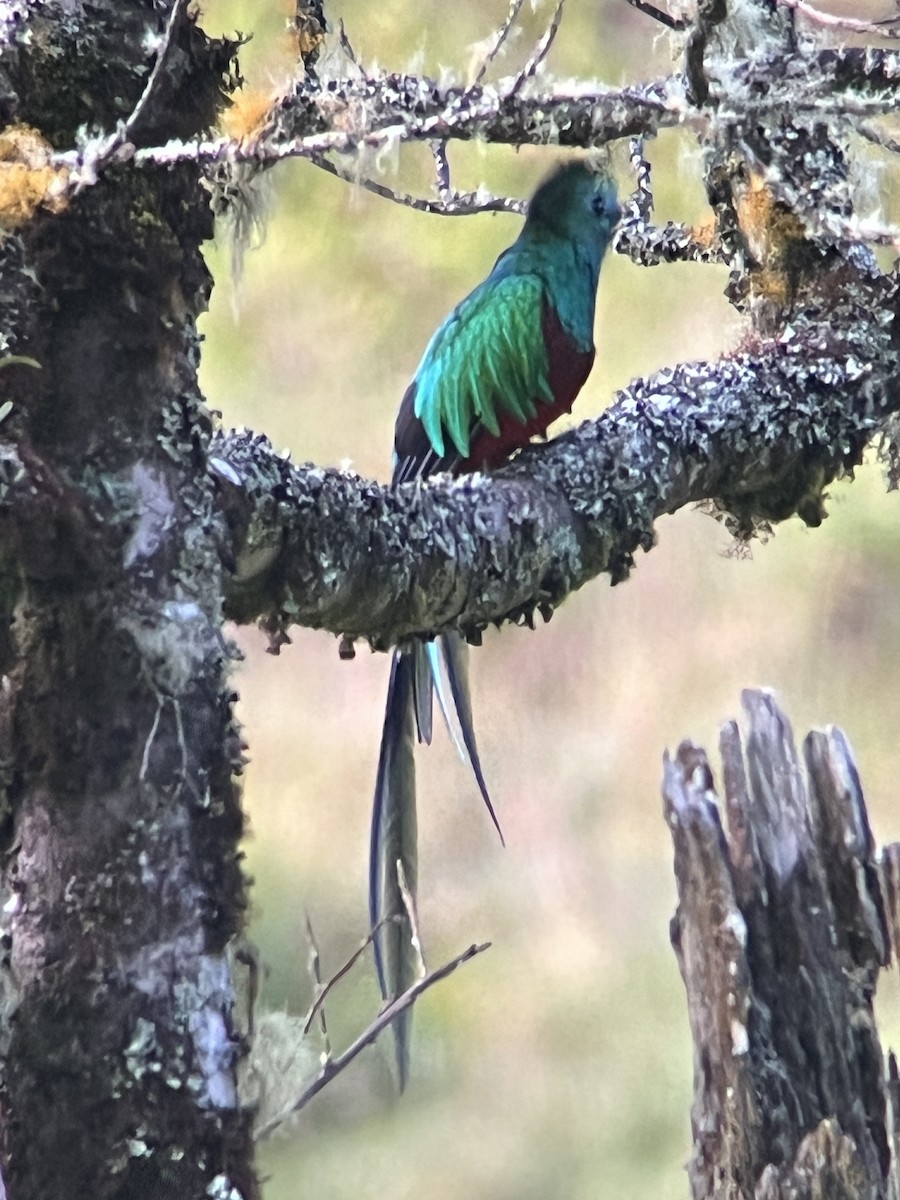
(780, 933)
(760, 435)
(367, 112)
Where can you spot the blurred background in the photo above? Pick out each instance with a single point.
(558, 1064)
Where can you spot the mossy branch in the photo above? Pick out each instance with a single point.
(757, 435)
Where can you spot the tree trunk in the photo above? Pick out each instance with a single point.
(781, 931)
(120, 876)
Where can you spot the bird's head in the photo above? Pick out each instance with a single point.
(577, 202)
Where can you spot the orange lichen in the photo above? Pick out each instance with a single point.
(705, 233)
(773, 285)
(28, 180)
(778, 242)
(309, 39)
(772, 231)
(246, 117)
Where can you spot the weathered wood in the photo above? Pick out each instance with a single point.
(781, 931)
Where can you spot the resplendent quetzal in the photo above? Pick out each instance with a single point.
(505, 363)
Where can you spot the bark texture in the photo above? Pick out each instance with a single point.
(120, 879)
(126, 534)
(781, 932)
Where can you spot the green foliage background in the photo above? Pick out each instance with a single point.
(559, 1063)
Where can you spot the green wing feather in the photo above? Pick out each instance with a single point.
(489, 356)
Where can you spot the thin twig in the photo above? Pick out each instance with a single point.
(335, 1065)
(87, 172)
(347, 47)
(315, 969)
(886, 28)
(678, 24)
(453, 204)
(161, 59)
(339, 974)
(706, 18)
(541, 50)
(515, 7)
(151, 737)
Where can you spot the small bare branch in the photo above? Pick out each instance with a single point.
(162, 58)
(347, 47)
(151, 737)
(541, 50)
(323, 991)
(104, 152)
(707, 16)
(887, 28)
(451, 204)
(315, 969)
(677, 24)
(335, 1065)
(515, 7)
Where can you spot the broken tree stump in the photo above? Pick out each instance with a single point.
(785, 919)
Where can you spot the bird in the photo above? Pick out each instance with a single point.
(507, 361)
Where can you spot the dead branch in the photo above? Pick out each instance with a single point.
(334, 1066)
